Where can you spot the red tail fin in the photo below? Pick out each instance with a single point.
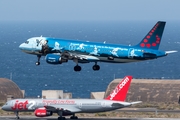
(120, 92)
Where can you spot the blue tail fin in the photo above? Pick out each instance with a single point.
(153, 39)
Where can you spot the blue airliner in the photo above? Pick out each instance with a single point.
(58, 51)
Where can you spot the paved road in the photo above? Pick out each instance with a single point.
(146, 110)
(54, 118)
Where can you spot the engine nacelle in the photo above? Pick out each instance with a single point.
(42, 112)
(55, 59)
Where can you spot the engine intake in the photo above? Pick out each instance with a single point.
(42, 112)
(55, 59)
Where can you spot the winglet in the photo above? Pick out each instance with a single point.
(120, 92)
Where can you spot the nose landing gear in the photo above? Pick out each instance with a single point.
(17, 115)
(38, 62)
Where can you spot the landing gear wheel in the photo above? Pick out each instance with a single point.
(73, 117)
(61, 118)
(96, 67)
(37, 63)
(17, 118)
(77, 68)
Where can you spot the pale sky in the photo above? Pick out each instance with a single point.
(89, 10)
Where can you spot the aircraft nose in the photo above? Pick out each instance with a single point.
(3, 107)
(21, 46)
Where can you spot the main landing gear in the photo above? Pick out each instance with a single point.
(63, 118)
(73, 116)
(95, 67)
(60, 115)
(38, 62)
(77, 68)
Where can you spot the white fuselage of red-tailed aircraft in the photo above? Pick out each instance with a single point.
(73, 105)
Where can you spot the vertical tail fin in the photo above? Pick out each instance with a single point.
(120, 92)
(153, 38)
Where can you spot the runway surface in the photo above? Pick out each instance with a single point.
(54, 118)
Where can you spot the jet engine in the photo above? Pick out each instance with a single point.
(55, 59)
(42, 112)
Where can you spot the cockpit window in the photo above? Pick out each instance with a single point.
(27, 42)
(6, 104)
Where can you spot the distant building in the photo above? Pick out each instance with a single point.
(97, 95)
(9, 90)
(55, 94)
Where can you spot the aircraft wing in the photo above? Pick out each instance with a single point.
(66, 109)
(81, 58)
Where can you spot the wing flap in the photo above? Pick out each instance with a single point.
(66, 109)
(79, 57)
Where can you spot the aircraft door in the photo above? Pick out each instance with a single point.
(12, 103)
(80, 105)
(34, 44)
(131, 53)
(38, 44)
(41, 46)
(103, 104)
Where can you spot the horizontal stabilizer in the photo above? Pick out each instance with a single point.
(173, 51)
(125, 104)
(117, 105)
(64, 108)
(136, 102)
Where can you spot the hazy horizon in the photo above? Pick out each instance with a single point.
(80, 10)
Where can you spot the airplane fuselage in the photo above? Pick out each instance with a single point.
(93, 51)
(76, 105)
(58, 51)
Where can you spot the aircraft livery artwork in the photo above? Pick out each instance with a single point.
(58, 51)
